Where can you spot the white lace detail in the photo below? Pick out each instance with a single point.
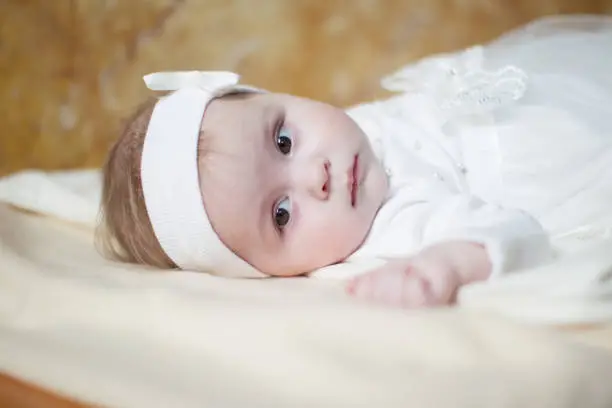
(459, 84)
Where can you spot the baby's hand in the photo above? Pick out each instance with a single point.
(430, 278)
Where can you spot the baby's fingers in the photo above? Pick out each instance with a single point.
(393, 287)
(377, 286)
(363, 284)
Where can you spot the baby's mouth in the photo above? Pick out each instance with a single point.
(353, 180)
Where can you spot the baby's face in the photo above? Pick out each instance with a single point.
(289, 184)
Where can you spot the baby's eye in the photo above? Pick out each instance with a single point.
(283, 141)
(282, 213)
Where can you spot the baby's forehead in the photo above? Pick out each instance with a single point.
(232, 164)
(233, 129)
(233, 107)
(238, 118)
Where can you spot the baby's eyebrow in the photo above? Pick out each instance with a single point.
(272, 116)
(270, 119)
(264, 223)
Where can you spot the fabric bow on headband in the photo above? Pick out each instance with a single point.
(210, 81)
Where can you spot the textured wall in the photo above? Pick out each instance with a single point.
(71, 69)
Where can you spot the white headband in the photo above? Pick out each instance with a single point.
(169, 172)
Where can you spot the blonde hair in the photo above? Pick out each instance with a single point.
(125, 232)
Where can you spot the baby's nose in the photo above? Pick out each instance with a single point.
(318, 179)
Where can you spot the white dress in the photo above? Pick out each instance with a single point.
(507, 143)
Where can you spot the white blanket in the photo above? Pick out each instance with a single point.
(577, 288)
(126, 336)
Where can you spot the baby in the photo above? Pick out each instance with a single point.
(466, 174)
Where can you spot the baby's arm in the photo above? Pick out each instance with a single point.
(465, 240)
(430, 278)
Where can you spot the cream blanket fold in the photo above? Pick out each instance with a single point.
(576, 289)
(126, 336)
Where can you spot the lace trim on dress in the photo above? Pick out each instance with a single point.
(459, 83)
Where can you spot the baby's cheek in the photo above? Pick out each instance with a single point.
(326, 245)
(346, 237)
(325, 235)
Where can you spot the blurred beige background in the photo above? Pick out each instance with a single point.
(71, 69)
